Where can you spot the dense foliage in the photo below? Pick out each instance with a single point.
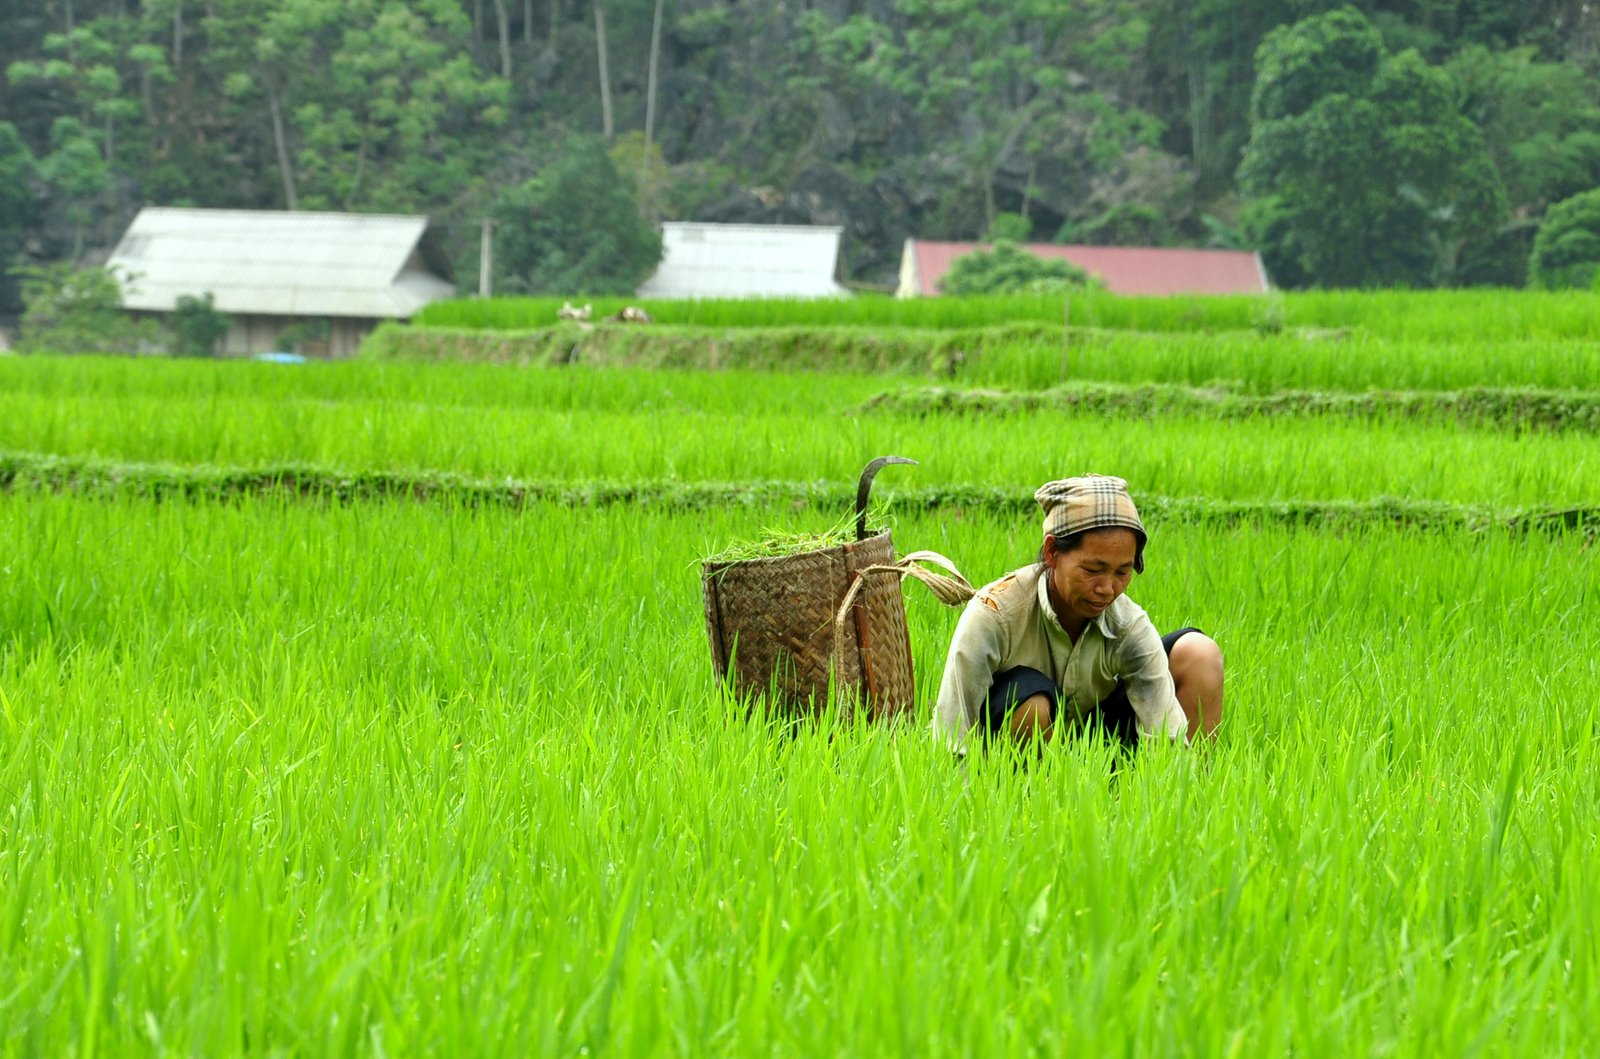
(1097, 121)
(197, 326)
(1364, 169)
(17, 169)
(1009, 269)
(574, 229)
(1566, 252)
(72, 310)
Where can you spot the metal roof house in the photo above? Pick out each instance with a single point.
(746, 261)
(328, 278)
(1123, 269)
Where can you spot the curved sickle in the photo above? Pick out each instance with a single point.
(864, 490)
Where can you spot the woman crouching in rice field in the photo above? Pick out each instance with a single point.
(1057, 642)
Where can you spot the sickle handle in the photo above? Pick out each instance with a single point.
(864, 490)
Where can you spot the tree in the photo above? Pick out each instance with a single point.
(371, 104)
(197, 327)
(85, 65)
(251, 68)
(76, 175)
(1104, 121)
(405, 116)
(1566, 252)
(1009, 88)
(1009, 269)
(650, 85)
(1199, 69)
(1540, 122)
(607, 126)
(88, 69)
(574, 229)
(18, 212)
(1143, 199)
(73, 310)
(1010, 228)
(652, 180)
(1365, 172)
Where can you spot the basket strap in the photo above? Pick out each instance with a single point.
(952, 590)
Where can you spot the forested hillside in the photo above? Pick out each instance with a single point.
(1410, 143)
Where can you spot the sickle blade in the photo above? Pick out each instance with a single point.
(864, 490)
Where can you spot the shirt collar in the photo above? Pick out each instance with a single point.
(1100, 621)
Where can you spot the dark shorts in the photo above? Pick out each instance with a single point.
(1114, 713)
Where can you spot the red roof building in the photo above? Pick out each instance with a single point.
(1123, 269)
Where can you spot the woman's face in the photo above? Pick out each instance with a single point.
(1088, 579)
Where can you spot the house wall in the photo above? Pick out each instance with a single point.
(254, 333)
(909, 286)
(259, 334)
(348, 335)
(250, 334)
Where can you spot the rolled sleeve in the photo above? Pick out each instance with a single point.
(975, 653)
(1148, 678)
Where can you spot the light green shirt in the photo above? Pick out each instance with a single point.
(1011, 623)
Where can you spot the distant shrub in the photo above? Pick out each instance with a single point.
(197, 326)
(1566, 252)
(1009, 227)
(574, 229)
(1009, 269)
(68, 310)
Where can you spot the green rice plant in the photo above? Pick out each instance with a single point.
(366, 709)
(586, 437)
(386, 778)
(773, 542)
(1445, 315)
(454, 385)
(1510, 409)
(1006, 358)
(1264, 364)
(860, 311)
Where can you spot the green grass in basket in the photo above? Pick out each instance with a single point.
(775, 543)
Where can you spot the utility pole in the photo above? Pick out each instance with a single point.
(486, 259)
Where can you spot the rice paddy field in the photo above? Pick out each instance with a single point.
(366, 708)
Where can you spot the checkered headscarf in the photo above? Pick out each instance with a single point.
(1094, 501)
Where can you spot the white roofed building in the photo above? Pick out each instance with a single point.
(326, 279)
(746, 261)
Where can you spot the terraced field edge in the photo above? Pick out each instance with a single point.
(1577, 411)
(843, 349)
(27, 472)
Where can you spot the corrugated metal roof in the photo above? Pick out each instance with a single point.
(276, 263)
(746, 261)
(1123, 269)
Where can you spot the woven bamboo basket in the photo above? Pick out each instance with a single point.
(774, 629)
